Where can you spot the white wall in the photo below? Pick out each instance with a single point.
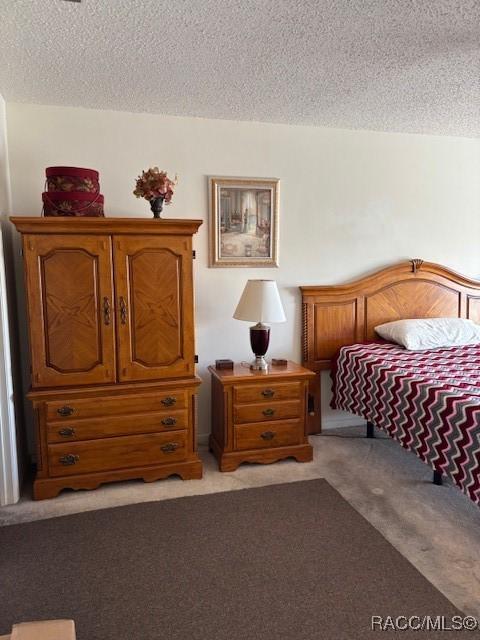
(351, 201)
(9, 477)
(4, 173)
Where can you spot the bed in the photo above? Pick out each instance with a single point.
(428, 401)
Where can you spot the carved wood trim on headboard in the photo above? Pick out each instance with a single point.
(334, 316)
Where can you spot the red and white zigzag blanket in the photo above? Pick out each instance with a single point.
(428, 401)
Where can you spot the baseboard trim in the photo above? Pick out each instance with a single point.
(335, 422)
(203, 439)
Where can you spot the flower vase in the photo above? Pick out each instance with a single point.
(156, 205)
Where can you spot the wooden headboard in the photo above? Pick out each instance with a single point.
(338, 315)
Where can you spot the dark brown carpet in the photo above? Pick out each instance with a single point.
(285, 562)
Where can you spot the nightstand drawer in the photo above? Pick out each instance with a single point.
(267, 434)
(266, 391)
(266, 411)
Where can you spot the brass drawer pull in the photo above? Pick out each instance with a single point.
(69, 459)
(65, 411)
(106, 311)
(170, 447)
(123, 310)
(66, 432)
(169, 422)
(268, 412)
(268, 435)
(268, 393)
(169, 401)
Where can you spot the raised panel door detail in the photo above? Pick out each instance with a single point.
(155, 307)
(70, 287)
(70, 293)
(155, 281)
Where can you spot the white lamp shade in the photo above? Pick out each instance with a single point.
(260, 302)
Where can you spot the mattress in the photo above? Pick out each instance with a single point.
(428, 401)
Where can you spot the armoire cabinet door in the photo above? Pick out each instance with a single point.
(154, 299)
(70, 307)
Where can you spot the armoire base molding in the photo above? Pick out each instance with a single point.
(44, 488)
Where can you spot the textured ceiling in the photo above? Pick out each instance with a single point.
(392, 65)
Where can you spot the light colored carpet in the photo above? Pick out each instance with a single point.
(436, 528)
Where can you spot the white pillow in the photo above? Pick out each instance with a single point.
(430, 333)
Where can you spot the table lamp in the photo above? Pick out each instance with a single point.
(260, 303)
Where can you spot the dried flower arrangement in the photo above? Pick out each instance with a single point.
(156, 187)
(154, 183)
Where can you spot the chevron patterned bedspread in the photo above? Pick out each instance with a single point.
(428, 401)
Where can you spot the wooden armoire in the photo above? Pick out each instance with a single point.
(110, 314)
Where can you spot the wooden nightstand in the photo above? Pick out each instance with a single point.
(259, 417)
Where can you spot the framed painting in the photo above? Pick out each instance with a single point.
(244, 222)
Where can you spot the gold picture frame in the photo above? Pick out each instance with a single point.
(244, 221)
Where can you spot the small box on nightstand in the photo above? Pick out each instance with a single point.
(224, 364)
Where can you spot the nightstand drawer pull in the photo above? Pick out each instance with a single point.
(66, 432)
(169, 401)
(268, 435)
(69, 459)
(268, 393)
(169, 422)
(65, 411)
(268, 412)
(170, 447)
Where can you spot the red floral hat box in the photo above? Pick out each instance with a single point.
(73, 203)
(72, 191)
(72, 179)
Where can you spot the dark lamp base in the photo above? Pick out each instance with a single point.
(259, 340)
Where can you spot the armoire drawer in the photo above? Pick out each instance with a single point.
(266, 391)
(116, 453)
(116, 405)
(267, 434)
(266, 411)
(90, 428)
